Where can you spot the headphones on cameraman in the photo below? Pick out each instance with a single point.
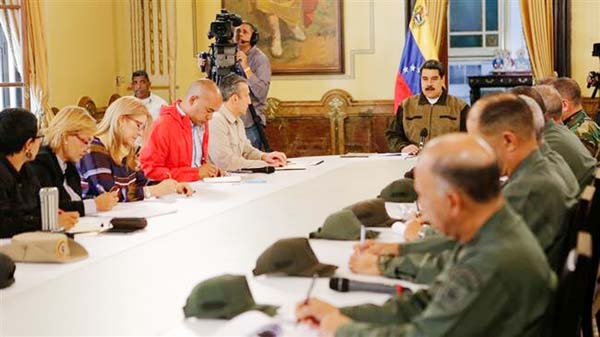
(255, 36)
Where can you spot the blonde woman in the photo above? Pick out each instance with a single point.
(112, 165)
(67, 140)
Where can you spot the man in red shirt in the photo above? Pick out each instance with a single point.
(178, 145)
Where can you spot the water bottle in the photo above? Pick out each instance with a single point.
(49, 205)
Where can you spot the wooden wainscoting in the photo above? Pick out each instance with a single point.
(334, 125)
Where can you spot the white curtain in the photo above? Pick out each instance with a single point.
(10, 20)
(32, 65)
(37, 60)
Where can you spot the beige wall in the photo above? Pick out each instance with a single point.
(89, 46)
(96, 33)
(81, 50)
(368, 76)
(585, 31)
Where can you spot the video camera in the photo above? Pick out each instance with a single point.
(593, 79)
(221, 60)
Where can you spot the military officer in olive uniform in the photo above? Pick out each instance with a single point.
(496, 268)
(534, 190)
(575, 118)
(433, 110)
(562, 140)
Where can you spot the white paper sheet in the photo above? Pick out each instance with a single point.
(138, 209)
(291, 167)
(90, 224)
(227, 179)
(251, 323)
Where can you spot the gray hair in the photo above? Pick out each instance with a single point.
(536, 113)
(552, 100)
(229, 85)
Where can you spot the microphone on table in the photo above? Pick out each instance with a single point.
(345, 285)
(266, 169)
(422, 137)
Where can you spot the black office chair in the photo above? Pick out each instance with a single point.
(576, 221)
(593, 301)
(591, 225)
(568, 303)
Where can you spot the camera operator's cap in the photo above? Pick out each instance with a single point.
(371, 213)
(401, 190)
(44, 247)
(341, 225)
(224, 296)
(7, 271)
(292, 257)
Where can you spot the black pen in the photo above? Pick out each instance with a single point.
(319, 162)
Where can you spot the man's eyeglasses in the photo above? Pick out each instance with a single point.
(140, 126)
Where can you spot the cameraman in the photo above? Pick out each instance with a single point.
(257, 69)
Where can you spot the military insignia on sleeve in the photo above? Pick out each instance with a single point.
(458, 289)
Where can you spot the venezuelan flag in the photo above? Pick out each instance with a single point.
(418, 47)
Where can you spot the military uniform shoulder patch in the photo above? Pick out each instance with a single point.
(457, 288)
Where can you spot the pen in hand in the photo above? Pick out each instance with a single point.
(363, 233)
(312, 320)
(310, 288)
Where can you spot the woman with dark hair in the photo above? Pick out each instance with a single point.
(19, 188)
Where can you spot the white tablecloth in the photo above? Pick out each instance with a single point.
(137, 283)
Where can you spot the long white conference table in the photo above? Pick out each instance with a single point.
(137, 284)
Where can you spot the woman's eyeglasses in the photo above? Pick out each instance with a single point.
(140, 126)
(85, 142)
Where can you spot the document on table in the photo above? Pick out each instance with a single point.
(138, 209)
(226, 179)
(291, 167)
(356, 155)
(90, 224)
(366, 155)
(299, 165)
(256, 323)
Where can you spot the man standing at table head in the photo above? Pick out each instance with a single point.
(496, 267)
(229, 147)
(140, 83)
(425, 116)
(178, 144)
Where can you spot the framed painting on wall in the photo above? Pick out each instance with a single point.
(298, 36)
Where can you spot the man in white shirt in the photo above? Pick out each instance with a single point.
(229, 147)
(140, 83)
